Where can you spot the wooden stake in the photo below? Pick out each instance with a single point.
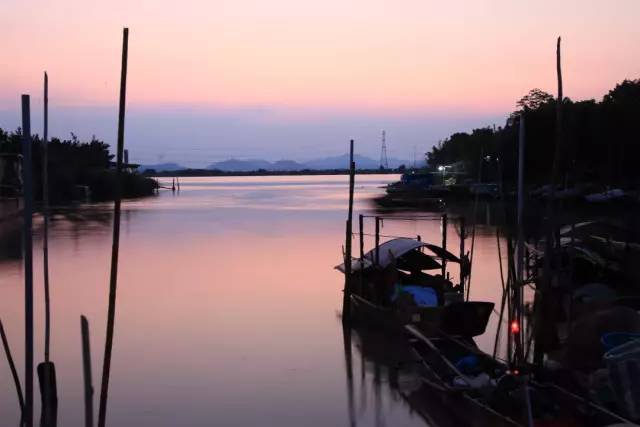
(346, 301)
(377, 240)
(111, 313)
(12, 367)
(462, 237)
(444, 244)
(86, 369)
(28, 259)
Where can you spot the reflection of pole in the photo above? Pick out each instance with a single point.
(86, 368)
(12, 366)
(28, 260)
(348, 360)
(113, 282)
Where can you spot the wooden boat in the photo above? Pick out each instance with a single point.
(389, 287)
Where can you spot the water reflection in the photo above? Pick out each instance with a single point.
(388, 376)
(226, 307)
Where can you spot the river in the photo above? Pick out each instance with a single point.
(228, 305)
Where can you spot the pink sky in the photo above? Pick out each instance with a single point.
(400, 58)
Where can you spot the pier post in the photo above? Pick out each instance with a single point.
(462, 236)
(444, 244)
(377, 240)
(346, 299)
(27, 180)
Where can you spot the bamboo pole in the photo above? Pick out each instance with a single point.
(518, 289)
(86, 369)
(111, 313)
(27, 180)
(542, 320)
(45, 213)
(47, 370)
(12, 366)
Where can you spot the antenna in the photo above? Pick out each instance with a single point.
(384, 161)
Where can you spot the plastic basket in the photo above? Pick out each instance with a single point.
(623, 364)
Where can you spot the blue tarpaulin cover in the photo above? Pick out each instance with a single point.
(423, 296)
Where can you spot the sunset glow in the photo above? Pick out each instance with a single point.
(400, 57)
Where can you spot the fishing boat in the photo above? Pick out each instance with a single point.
(390, 286)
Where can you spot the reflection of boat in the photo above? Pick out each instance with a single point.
(10, 190)
(411, 201)
(390, 287)
(390, 360)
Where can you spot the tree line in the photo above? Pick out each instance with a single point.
(601, 141)
(74, 163)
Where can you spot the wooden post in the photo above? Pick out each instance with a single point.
(28, 259)
(377, 240)
(444, 244)
(86, 369)
(462, 236)
(361, 226)
(12, 367)
(113, 282)
(346, 301)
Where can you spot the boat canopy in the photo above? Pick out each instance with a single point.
(393, 250)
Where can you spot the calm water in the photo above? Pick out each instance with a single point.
(228, 306)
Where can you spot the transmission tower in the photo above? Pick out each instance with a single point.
(384, 161)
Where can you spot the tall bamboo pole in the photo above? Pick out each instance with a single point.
(518, 288)
(27, 181)
(45, 214)
(541, 318)
(113, 282)
(46, 369)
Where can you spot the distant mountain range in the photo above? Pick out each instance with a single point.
(326, 163)
(162, 167)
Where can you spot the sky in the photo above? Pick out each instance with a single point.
(291, 79)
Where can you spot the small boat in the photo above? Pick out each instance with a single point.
(390, 287)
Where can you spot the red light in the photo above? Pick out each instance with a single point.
(515, 327)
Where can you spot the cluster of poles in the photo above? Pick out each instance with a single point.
(46, 369)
